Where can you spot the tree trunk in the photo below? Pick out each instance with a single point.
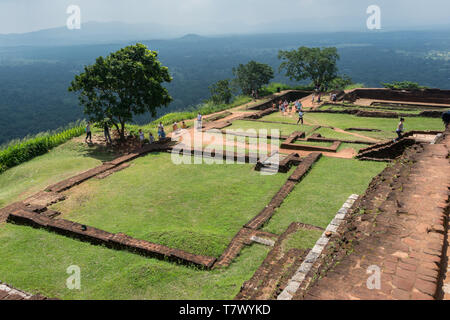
(122, 131)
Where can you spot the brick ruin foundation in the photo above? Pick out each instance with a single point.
(399, 225)
(433, 96)
(278, 269)
(34, 212)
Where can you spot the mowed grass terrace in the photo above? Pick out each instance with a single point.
(153, 199)
(196, 208)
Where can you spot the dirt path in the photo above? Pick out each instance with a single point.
(401, 233)
(237, 112)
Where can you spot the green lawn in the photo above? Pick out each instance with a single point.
(344, 121)
(301, 239)
(197, 208)
(323, 191)
(36, 261)
(60, 163)
(332, 134)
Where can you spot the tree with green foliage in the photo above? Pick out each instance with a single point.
(221, 92)
(403, 85)
(252, 76)
(126, 83)
(319, 65)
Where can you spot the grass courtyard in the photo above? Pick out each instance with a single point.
(323, 191)
(36, 261)
(196, 208)
(285, 129)
(61, 163)
(344, 121)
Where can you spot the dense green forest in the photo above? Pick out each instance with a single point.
(34, 79)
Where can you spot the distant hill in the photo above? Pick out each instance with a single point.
(90, 33)
(34, 78)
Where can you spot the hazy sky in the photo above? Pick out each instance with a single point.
(226, 16)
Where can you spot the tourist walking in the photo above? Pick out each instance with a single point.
(106, 133)
(161, 133)
(400, 129)
(199, 121)
(141, 138)
(300, 111)
(88, 132)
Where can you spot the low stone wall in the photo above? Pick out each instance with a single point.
(265, 282)
(303, 147)
(386, 151)
(260, 114)
(392, 149)
(73, 181)
(318, 138)
(354, 110)
(303, 168)
(243, 238)
(300, 278)
(101, 237)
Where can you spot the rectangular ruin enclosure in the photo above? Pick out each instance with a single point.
(195, 208)
(297, 141)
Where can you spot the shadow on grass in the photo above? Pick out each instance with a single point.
(100, 152)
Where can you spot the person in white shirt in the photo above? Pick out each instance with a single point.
(400, 129)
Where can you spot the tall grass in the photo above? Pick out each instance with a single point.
(20, 151)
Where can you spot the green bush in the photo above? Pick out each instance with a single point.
(19, 152)
(273, 88)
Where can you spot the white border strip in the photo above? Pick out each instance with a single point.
(437, 138)
(296, 281)
(264, 241)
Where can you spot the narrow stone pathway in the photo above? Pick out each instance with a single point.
(401, 230)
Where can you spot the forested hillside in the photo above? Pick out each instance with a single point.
(34, 80)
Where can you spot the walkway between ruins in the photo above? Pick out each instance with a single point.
(406, 235)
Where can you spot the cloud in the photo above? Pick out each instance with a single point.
(223, 15)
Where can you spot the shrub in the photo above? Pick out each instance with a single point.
(18, 152)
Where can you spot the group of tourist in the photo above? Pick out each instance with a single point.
(283, 106)
(286, 107)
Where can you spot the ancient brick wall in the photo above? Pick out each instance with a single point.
(423, 96)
